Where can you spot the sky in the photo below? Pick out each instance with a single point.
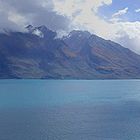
(117, 20)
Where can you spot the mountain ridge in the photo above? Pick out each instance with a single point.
(38, 53)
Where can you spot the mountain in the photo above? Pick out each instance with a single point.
(38, 53)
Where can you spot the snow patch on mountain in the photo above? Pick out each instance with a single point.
(34, 30)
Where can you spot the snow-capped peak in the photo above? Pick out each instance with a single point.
(35, 30)
(38, 33)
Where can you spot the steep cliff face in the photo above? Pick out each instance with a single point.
(38, 53)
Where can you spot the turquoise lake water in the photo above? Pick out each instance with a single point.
(69, 110)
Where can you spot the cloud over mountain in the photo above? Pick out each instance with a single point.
(16, 15)
(66, 15)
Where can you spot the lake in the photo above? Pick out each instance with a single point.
(69, 110)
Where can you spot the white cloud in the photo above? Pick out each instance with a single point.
(84, 16)
(137, 10)
(129, 35)
(132, 29)
(120, 12)
(69, 7)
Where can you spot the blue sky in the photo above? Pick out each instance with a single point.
(109, 10)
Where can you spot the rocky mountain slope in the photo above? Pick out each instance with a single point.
(38, 53)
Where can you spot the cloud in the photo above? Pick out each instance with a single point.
(66, 15)
(137, 10)
(83, 14)
(129, 35)
(69, 7)
(16, 15)
(120, 12)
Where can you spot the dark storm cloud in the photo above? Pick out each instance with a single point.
(36, 12)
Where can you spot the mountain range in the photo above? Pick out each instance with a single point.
(39, 53)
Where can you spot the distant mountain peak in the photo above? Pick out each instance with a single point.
(41, 31)
(30, 28)
(80, 55)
